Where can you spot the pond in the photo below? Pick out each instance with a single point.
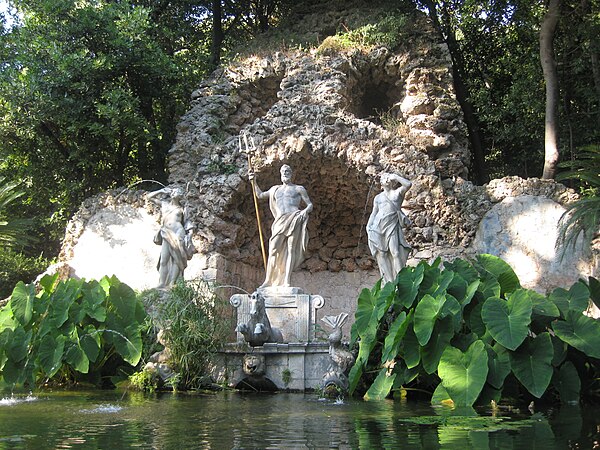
(121, 419)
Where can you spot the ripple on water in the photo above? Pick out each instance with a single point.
(102, 409)
(10, 401)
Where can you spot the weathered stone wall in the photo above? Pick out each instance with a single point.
(320, 112)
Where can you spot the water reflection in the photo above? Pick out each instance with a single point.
(233, 420)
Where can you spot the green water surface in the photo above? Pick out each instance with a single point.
(232, 420)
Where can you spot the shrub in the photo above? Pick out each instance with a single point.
(196, 324)
(69, 329)
(15, 267)
(388, 32)
(469, 331)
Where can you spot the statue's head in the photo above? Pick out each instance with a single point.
(177, 193)
(254, 365)
(386, 179)
(257, 303)
(286, 173)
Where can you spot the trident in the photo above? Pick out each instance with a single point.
(250, 148)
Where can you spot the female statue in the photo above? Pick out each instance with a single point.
(174, 236)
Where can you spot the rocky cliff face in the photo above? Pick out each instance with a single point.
(338, 118)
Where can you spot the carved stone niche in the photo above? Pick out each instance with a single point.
(294, 313)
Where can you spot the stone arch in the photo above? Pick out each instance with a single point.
(341, 195)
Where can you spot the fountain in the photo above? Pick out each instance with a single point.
(277, 323)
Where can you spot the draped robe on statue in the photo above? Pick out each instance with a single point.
(285, 225)
(384, 227)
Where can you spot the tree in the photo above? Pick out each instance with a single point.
(547, 34)
(90, 95)
(441, 12)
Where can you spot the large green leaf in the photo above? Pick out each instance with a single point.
(543, 306)
(471, 290)
(127, 341)
(567, 383)
(440, 395)
(48, 282)
(440, 339)
(90, 342)
(92, 302)
(62, 298)
(498, 364)
(508, 321)
(532, 364)
(19, 344)
(14, 372)
(463, 374)
(474, 320)
(354, 376)
(50, 353)
(457, 287)
(505, 275)
(443, 282)
(488, 287)
(391, 346)
(426, 314)
(408, 282)
(463, 268)
(7, 319)
(560, 350)
(409, 349)
(21, 302)
(579, 331)
(75, 356)
(124, 300)
(576, 298)
(372, 305)
(579, 297)
(382, 385)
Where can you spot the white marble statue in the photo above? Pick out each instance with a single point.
(174, 236)
(384, 228)
(288, 233)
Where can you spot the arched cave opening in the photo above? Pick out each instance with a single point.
(377, 102)
(376, 95)
(342, 199)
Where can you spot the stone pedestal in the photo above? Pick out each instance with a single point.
(289, 309)
(295, 367)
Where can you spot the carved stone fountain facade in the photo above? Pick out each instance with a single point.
(339, 119)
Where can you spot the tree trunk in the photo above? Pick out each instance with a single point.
(480, 174)
(547, 32)
(217, 34)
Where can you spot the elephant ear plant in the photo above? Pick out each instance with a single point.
(469, 331)
(68, 328)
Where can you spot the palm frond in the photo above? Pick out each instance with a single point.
(580, 222)
(13, 231)
(581, 219)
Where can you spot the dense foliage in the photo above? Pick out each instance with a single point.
(469, 333)
(495, 47)
(15, 267)
(69, 331)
